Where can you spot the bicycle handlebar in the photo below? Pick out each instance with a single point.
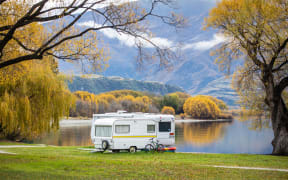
(152, 140)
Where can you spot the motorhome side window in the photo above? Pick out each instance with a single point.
(103, 131)
(164, 126)
(122, 129)
(150, 128)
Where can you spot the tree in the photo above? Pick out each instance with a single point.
(221, 104)
(257, 31)
(168, 110)
(32, 99)
(63, 40)
(171, 101)
(181, 98)
(201, 107)
(32, 96)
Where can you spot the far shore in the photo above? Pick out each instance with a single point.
(80, 121)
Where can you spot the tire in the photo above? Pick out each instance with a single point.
(132, 149)
(160, 148)
(105, 145)
(149, 147)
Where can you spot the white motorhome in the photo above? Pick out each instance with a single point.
(131, 131)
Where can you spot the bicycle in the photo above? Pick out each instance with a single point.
(154, 146)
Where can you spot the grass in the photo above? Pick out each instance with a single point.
(8, 142)
(71, 163)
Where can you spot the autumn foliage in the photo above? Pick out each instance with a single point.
(88, 104)
(32, 99)
(168, 110)
(128, 100)
(201, 107)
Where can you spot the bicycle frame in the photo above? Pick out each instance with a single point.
(155, 144)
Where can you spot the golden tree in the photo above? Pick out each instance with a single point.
(257, 31)
(168, 110)
(32, 96)
(221, 104)
(32, 99)
(201, 107)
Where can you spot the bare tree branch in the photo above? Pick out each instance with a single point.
(114, 21)
(282, 85)
(2, 1)
(280, 66)
(276, 54)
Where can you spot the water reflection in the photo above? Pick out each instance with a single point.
(223, 137)
(200, 134)
(68, 136)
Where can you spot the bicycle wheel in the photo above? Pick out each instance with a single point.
(149, 147)
(160, 148)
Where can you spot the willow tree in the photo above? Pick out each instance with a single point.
(32, 99)
(257, 33)
(65, 39)
(32, 96)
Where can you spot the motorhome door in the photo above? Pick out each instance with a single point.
(164, 129)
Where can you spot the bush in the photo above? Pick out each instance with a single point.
(182, 115)
(170, 101)
(221, 104)
(168, 110)
(201, 107)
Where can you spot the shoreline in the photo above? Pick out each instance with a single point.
(201, 120)
(80, 121)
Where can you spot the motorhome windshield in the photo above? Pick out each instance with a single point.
(103, 131)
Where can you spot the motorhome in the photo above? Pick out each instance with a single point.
(131, 131)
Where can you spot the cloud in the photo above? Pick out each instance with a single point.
(129, 40)
(205, 45)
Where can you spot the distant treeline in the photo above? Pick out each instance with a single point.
(102, 84)
(199, 106)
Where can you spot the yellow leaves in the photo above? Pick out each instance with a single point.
(128, 100)
(255, 30)
(168, 110)
(30, 36)
(33, 99)
(201, 107)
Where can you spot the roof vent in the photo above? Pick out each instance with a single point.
(121, 111)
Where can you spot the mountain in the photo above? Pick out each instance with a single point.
(195, 71)
(98, 84)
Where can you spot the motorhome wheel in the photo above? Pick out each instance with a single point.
(132, 149)
(105, 145)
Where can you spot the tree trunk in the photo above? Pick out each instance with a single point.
(279, 117)
(278, 113)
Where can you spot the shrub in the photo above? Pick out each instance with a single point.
(175, 100)
(168, 110)
(221, 104)
(170, 101)
(182, 115)
(201, 107)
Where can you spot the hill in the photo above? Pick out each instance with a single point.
(98, 84)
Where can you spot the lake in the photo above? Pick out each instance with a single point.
(210, 137)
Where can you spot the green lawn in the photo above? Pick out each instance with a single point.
(71, 163)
